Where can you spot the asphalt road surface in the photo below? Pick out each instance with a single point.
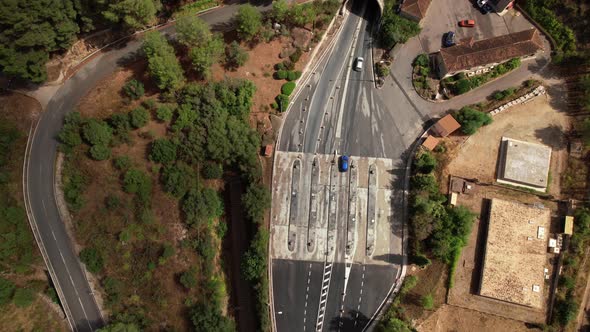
(341, 112)
(78, 299)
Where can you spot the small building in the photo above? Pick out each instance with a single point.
(501, 6)
(446, 126)
(414, 9)
(524, 164)
(430, 142)
(515, 255)
(461, 186)
(568, 225)
(268, 150)
(477, 57)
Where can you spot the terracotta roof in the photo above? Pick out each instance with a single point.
(415, 8)
(430, 142)
(467, 55)
(445, 126)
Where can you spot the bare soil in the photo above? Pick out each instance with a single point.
(37, 317)
(536, 122)
(431, 280)
(456, 319)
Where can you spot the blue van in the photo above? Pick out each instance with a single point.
(343, 163)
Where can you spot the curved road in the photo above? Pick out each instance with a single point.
(67, 274)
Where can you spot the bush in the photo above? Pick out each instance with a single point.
(139, 117)
(69, 135)
(122, 163)
(381, 69)
(235, 56)
(134, 89)
(288, 88)
(212, 171)
(425, 162)
(421, 60)
(112, 202)
(567, 282)
(100, 152)
(471, 120)
(139, 183)
(420, 260)
(189, 279)
(293, 75)
(23, 297)
(74, 183)
(566, 309)
(281, 74)
(282, 102)
(149, 104)
(164, 113)
(163, 151)
(178, 179)
(249, 22)
(462, 86)
(428, 302)
(295, 56)
(92, 258)
(97, 132)
(7, 288)
(256, 201)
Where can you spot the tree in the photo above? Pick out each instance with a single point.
(207, 317)
(189, 279)
(163, 65)
(396, 29)
(425, 162)
(566, 309)
(202, 205)
(97, 132)
(235, 55)
(472, 119)
(92, 258)
(133, 14)
(23, 297)
(204, 56)
(249, 21)
(32, 29)
(69, 135)
(280, 10)
(178, 179)
(7, 288)
(139, 117)
(212, 171)
(163, 151)
(462, 86)
(192, 31)
(139, 183)
(288, 88)
(164, 113)
(393, 325)
(100, 152)
(421, 60)
(134, 89)
(256, 201)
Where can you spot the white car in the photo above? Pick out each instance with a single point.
(481, 3)
(359, 63)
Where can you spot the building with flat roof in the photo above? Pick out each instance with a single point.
(524, 164)
(477, 57)
(516, 253)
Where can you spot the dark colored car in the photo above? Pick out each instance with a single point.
(343, 163)
(485, 9)
(449, 39)
(467, 23)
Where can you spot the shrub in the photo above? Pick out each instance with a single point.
(189, 279)
(424, 71)
(139, 183)
(212, 171)
(471, 120)
(567, 282)
(566, 309)
(408, 284)
(100, 152)
(282, 102)
(69, 135)
(139, 117)
(295, 56)
(163, 151)
(249, 22)
(112, 202)
(421, 60)
(281, 74)
(120, 122)
(23, 297)
(97, 132)
(122, 163)
(425, 162)
(92, 258)
(178, 179)
(7, 288)
(133, 89)
(428, 302)
(420, 260)
(74, 183)
(256, 201)
(463, 85)
(293, 75)
(235, 55)
(149, 104)
(287, 88)
(381, 69)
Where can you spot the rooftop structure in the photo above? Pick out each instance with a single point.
(524, 164)
(470, 55)
(415, 9)
(515, 253)
(446, 126)
(430, 142)
(568, 225)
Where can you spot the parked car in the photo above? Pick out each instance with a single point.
(449, 39)
(343, 163)
(485, 9)
(467, 23)
(359, 63)
(481, 3)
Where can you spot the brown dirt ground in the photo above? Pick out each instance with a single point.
(536, 122)
(37, 317)
(450, 318)
(431, 280)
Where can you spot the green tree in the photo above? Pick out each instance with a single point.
(93, 259)
(192, 31)
(254, 261)
(97, 132)
(163, 65)
(471, 120)
(204, 56)
(288, 88)
(249, 21)
(178, 179)
(235, 56)
(396, 29)
(163, 151)
(421, 60)
(280, 10)
(189, 279)
(256, 201)
(200, 206)
(164, 113)
(139, 117)
(139, 183)
(134, 89)
(566, 309)
(393, 325)
(69, 135)
(32, 29)
(207, 317)
(212, 171)
(23, 297)
(133, 14)
(100, 152)
(7, 288)
(425, 162)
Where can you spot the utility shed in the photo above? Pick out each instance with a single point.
(568, 225)
(446, 126)
(524, 164)
(430, 142)
(515, 253)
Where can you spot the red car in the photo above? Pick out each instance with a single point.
(467, 23)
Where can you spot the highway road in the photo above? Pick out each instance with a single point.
(75, 293)
(341, 112)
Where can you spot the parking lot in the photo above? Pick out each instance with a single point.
(444, 15)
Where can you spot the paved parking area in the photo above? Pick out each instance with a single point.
(444, 15)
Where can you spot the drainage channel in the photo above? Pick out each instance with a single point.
(294, 206)
(371, 210)
(351, 221)
(313, 205)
